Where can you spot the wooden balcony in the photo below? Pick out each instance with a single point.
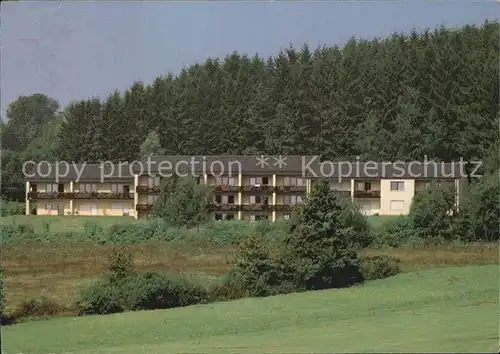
(80, 195)
(226, 207)
(99, 195)
(257, 189)
(257, 207)
(46, 195)
(148, 189)
(284, 207)
(226, 188)
(290, 189)
(342, 194)
(144, 207)
(367, 194)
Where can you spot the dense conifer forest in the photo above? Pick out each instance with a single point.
(433, 93)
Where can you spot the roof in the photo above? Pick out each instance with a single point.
(310, 166)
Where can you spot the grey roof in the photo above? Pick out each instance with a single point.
(247, 165)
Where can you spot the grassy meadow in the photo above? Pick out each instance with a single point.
(452, 309)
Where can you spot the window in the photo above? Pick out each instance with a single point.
(261, 217)
(397, 204)
(398, 186)
(427, 185)
(51, 187)
(116, 206)
(258, 199)
(152, 199)
(153, 181)
(218, 199)
(218, 216)
(363, 186)
(51, 206)
(286, 216)
(251, 217)
(117, 188)
(294, 181)
(33, 188)
(89, 188)
(292, 199)
(259, 180)
(225, 180)
(229, 216)
(230, 199)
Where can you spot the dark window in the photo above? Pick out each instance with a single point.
(218, 199)
(230, 199)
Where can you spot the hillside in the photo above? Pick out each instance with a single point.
(421, 311)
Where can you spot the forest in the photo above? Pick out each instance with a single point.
(433, 93)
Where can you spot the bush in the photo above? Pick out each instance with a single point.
(479, 215)
(395, 232)
(355, 225)
(320, 247)
(2, 296)
(102, 297)
(431, 213)
(379, 267)
(8, 208)
(125, 290)
(153, 290)
(42, 307)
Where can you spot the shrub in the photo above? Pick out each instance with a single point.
(102, 297)
(8, 207)
(261, 269)
(153, 290)
(319, 246)
(431, 213)
(121, 265)
(354, 224)
(125, 290)
(38, 308)
(479, 215)
(379, 267)
(395, 232)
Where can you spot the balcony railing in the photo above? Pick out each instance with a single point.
(257, 207)
(45, 195)
(98, 195)
(284, 207)
(257, 189)
(366, 194)
(148, 189)
(226, 207)
(226, 188)
(80, 195)
(286, 189)
(144, 207)
(342, 194)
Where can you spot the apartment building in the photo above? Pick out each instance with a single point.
(245, 187)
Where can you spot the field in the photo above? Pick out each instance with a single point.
(451, 309)
(62, 223)
(405, 311)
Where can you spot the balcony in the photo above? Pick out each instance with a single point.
(256, 207)
(284, 207)
(226, 188)
(257, 189)
(288, 189)
(226, 207)
(99, 195)
(148, 189)
(342, 194)
(80, 195)
(144, 207)
(367, 194)
(46, 195)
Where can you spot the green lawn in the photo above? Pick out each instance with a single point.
(439, 310)
(77, 223)
(63, 223)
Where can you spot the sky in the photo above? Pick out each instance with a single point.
(75, 50)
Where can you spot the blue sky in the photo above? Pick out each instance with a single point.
(74, 50)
